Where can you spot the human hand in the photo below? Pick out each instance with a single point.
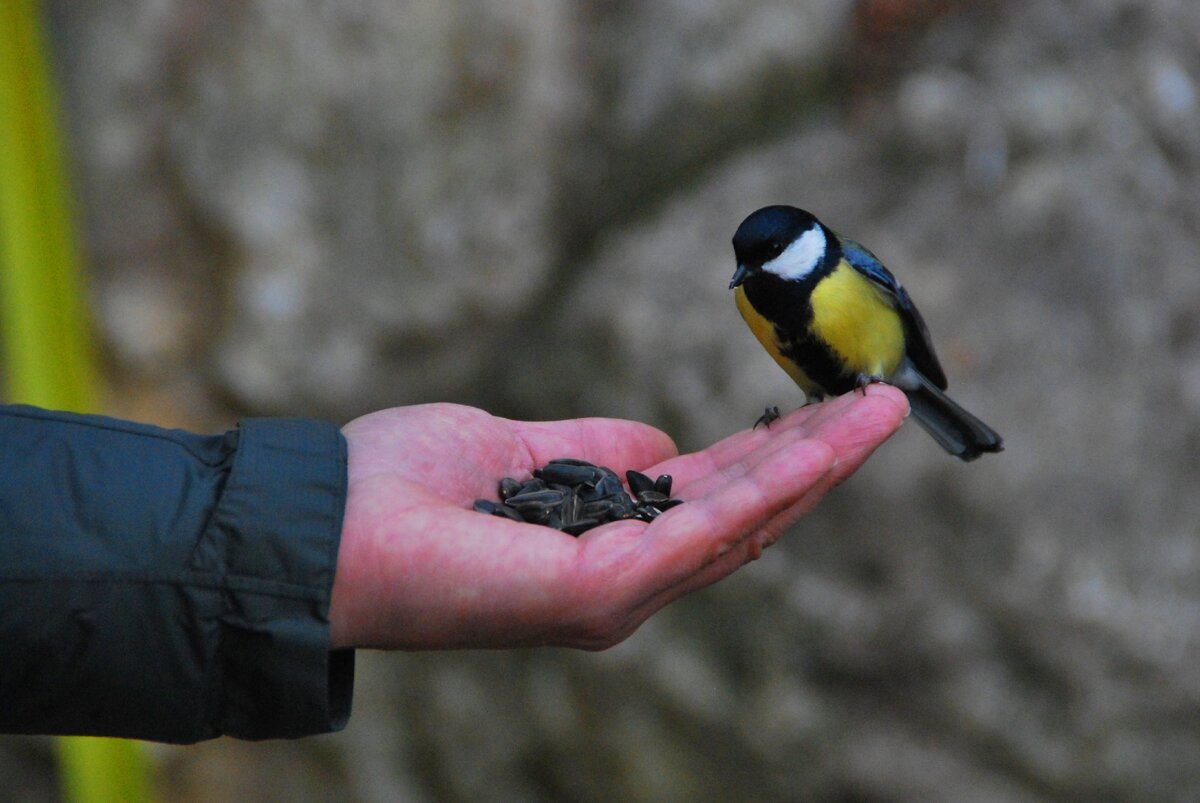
(418, 569)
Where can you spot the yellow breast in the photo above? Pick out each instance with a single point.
(764, 330)
(857, 321)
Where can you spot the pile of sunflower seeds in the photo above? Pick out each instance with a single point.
(574, 496)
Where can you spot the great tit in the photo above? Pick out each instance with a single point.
(835, 319)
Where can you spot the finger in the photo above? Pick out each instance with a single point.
(855, 437)
(719, 569)
(701, 542)
(612, 442)
(728, 469)
(699, 471)
(861, 428)
(613, 534)
(642, 568)
(696, 534)
(730, 450)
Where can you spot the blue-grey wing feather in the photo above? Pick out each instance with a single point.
(918, 343)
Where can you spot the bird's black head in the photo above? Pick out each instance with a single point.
(768, 233)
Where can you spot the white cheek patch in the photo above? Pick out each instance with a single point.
(801, 257)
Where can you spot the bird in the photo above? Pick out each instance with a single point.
(835, 319)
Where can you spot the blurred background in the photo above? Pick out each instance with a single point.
(320, 209)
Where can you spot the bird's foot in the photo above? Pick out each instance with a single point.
(770, 415)
(862, 380)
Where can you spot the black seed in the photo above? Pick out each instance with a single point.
(570, 508)
(651, 497)
(638, 481)
(606, 488)
(581, 526)
(543, 498)
(606, 472)
(535, 515)
(506, 512)
(598, 508)
(609, 509)
(574, 495)
(610, 486)
(530, 486)
(647, 513)
(590, 493)
(508, 487)
(621, 509)
(567, 474)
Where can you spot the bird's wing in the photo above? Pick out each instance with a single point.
(918, 344)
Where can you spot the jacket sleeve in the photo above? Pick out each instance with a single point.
(162, 585)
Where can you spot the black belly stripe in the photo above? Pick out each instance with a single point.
(822, 365)
(787, 305)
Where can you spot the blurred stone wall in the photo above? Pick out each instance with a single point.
(319, 208)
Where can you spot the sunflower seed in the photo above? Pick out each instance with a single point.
(647, 513)
(540, 500)
(651, 497)
(621, 508)
(570, 508)
(529, 486)
(567, 474)
(588, 493)
(610, 486)
(574, 496)
(535, 516)
(506, 512)
(581, 526)
(570, 461)
(638, 481)
(598, 509)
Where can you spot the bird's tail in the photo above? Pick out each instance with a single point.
(959, 433)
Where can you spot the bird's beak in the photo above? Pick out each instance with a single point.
(739, 276)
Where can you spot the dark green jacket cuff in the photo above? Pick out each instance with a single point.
(163, 585)
(274, 538)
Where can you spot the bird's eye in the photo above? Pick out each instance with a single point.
(776, 248)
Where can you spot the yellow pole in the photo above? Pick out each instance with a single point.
(48, 359)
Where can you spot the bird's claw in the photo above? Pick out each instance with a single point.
(862, 380)
(770, 415)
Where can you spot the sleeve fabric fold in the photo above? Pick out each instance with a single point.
(163, 585)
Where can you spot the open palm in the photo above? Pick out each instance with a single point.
(418, 569)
